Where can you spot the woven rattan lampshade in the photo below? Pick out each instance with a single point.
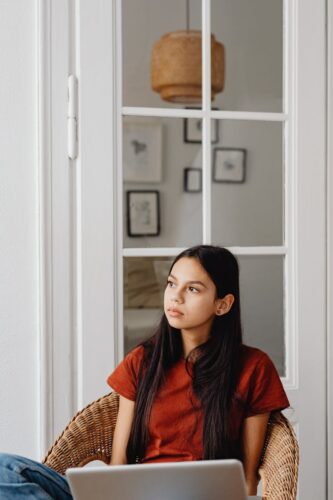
(176, 67)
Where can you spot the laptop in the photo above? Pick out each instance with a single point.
(197, 480)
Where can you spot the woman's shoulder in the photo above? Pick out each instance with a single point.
(135, 356)
(252, 357)
(259, 383)
(124, 378)
(136, 352)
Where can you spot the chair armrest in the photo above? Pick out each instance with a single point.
(278, 468)
(87, 437)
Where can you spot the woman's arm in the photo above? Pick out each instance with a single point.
(253, 438)
(122, 431)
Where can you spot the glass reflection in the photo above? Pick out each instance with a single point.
(161, 52)
(252, 33)
(162, 190)
(144, 284)
(262, 302)
(247, 183)
(252, 36)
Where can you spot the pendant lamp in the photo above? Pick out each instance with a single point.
(176, 65)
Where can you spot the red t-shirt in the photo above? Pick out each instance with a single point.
(176, 421)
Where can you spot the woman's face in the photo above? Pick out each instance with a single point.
(190, 301)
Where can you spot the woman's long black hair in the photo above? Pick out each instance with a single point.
(214, 370)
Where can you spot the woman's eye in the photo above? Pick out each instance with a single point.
(193, 289)
(169, 283)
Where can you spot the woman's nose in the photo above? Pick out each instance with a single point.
(176, 297)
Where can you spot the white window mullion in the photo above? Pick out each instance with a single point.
(249, 116)
(173, 251)
(206, 125)
(199, 113)
(162, 112)
(45, 382)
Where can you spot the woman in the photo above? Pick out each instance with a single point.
(192, 391)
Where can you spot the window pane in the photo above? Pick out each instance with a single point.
(262, 309)
(144, 284)
(252, 33)
(159, 52)
(262, 305)
(247, 183)
(162, 182)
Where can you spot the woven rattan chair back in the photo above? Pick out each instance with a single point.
(87, 437)
(279, 464)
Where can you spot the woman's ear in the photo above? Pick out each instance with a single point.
(224, 305)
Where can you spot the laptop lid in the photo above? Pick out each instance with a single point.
(201, 480)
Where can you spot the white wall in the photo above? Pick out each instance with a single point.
(18, 229)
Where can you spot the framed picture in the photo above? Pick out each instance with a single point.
(192, 180)
(143, 213)
(229, 165)
(142, 154)
(193, 130)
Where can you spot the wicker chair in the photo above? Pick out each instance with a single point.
(278, 468)
(88, 437)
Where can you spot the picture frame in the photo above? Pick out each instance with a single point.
(192, 130)
(142, 153)
(192, 180)
(229, 165)
(143, 213)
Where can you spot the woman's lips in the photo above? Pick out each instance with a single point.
(174, 313)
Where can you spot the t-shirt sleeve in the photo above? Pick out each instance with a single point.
(124, 379)
(266, 393)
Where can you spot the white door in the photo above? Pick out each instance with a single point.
(265, 132)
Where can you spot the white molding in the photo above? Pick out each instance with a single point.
(62, 217)
(291, 192)
(118, 173)
(311, 241)
(96, 207)
(77, 340)
(55, 293)
(202, 113)
(44, 190)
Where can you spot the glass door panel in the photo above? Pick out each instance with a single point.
(162, 188)
(144, 283)
(262, 305)
(161, 49)
(252, 33)
(247, 183)
(162, 163)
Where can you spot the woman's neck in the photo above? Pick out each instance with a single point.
(191, 340)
